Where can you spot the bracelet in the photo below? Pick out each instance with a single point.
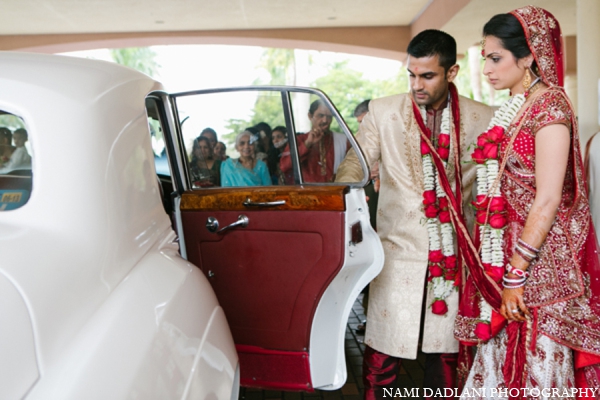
(528, 247)
(516, 271)
(525, 250)
(513, 286)
(510, 280)
(525, 255)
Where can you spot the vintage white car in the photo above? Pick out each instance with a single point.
(117, 285)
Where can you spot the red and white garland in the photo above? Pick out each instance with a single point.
(441, 259)
(490, 204)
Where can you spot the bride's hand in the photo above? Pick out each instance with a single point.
(512, 300)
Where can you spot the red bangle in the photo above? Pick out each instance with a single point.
(516, 271)
(525, 255)
(528, 246)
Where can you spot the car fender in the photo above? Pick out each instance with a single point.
(160, 334)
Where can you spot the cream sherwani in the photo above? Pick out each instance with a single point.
(389, 133)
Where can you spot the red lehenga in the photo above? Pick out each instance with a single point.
(559, 347)
(560, 290)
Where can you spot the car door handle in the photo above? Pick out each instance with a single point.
(250, 203)
(212, 224)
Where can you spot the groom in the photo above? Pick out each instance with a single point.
(395, 132)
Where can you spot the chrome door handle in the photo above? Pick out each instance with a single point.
(212, 224)
(250, 203)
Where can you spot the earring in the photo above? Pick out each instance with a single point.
(526, 79)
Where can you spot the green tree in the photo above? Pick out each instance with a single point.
(11, 121)
(267, 108)
(234, 126)
(139, 58)
(280, 65)
(347, 88)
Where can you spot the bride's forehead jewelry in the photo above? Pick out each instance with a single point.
(482, 47)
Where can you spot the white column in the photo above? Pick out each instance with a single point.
(301, 102)
(474, 54)
(572, 91)
(588, 67)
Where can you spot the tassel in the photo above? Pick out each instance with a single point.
(514, 370)
(534, 328)
(465, 362)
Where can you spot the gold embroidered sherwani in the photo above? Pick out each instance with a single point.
(389, 133)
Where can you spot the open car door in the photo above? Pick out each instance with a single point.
(286, 259)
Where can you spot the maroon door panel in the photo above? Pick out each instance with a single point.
(270, 275)
(272, 369)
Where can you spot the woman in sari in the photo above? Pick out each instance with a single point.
(246, 170)
(204, 169)
(279, 140)
(530, 299)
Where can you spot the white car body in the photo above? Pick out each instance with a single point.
(95, 298)
(96, 302)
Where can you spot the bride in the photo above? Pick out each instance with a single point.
(530, 301)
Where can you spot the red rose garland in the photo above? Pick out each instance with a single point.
(442, 263)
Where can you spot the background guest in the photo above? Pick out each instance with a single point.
(204, 169)
(20, 158)
(211, 134)
(278, 143)
(246, 170)
(220, 151)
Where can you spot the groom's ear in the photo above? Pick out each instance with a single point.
(452, 72)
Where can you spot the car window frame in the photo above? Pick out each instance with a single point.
(285, 92)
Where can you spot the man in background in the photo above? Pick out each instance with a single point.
(321, 150)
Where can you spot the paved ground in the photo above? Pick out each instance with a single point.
(411, 374)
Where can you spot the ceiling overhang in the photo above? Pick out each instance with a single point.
(380, 28)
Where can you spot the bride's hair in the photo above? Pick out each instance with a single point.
(507, 28)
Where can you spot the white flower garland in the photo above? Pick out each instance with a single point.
(487, 173)
(441, 235)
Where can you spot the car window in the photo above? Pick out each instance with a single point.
(320, 140)
(158, 139)
(15, 162)
(227, 137)
(261, 136)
